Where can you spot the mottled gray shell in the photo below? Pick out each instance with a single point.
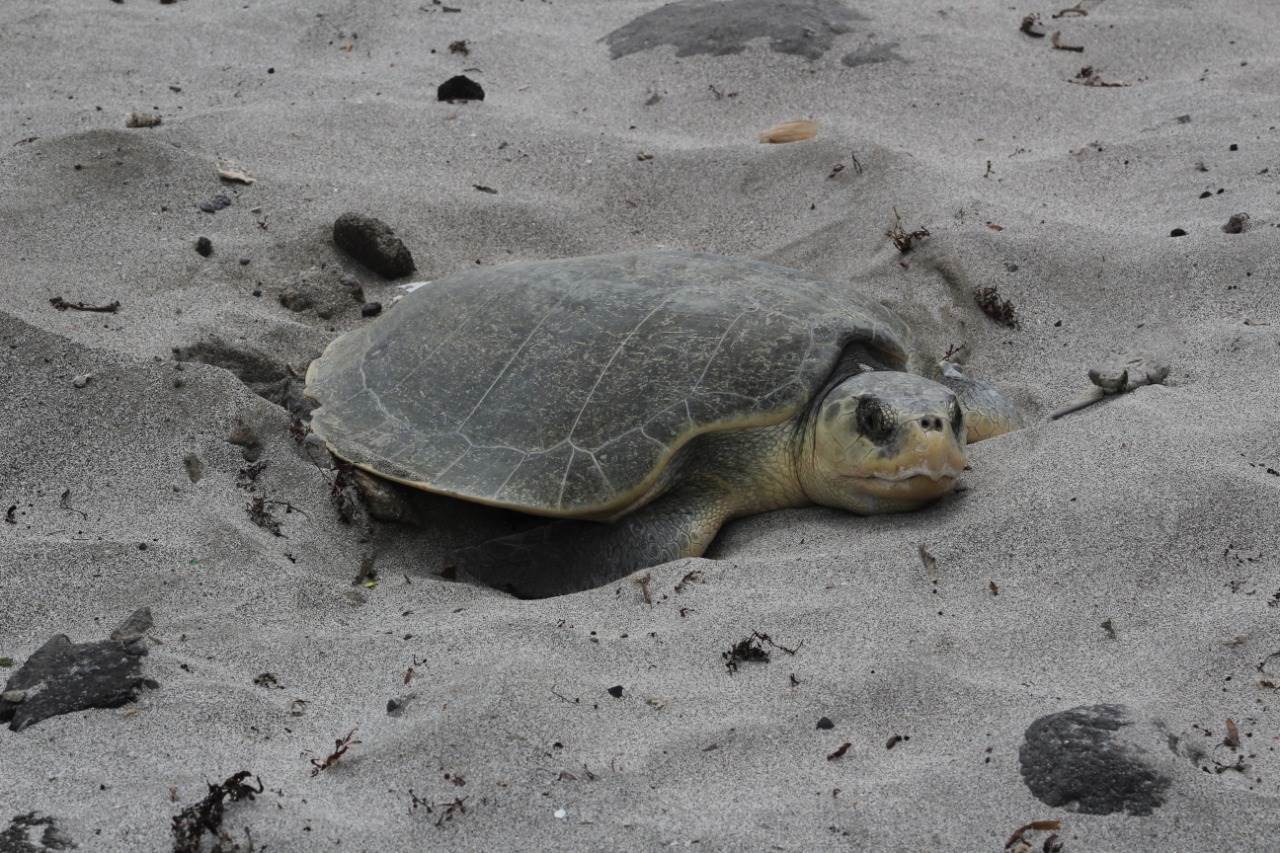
(564, 387)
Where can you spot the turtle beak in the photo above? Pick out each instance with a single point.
(928, 462)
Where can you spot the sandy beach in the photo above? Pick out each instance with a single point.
(1079, 651)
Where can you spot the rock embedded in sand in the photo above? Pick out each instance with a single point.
(297, 300)
(460, 88)
(204, 246)
(62, 677)
(371, 309)
(372, 242)
(1097, 759)
(801, 27)
(213, 205)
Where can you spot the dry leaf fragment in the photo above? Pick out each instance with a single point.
(1233, 735)
(790, 131)
(232, 174)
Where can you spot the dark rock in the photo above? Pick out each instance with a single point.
(397, 704)
(615, 691)
(135, 627)
(460, 88)
(62, 677)
(371, 242)
(204, 246)
(371, 309)
(213, 205)
(297, 300)
(871, 55)
(825, 723)
(802, 27)
(1178, 232)
(21, 835)
(1238, 223)
(1097, 759)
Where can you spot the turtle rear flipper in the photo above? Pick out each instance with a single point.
(570, 556)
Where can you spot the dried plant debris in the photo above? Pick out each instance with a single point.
(63, 305)
(839, 751)
(1028, 26)
(261, 515)
(1056, 41)
(459, 46)
(34, 833)
(904, 240)
(340, 747)
(372, 242)
(1090, 76)
(192, 823)
(752, 650)
(1018, 842)
(790, 131)
(1080, 9)
(1000, 310)
(62, 677)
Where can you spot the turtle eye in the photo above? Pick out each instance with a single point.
(874, 421)
(957, 419)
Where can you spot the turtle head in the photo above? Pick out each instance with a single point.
(883, 441)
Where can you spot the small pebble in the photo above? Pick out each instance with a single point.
(371, 309)
(825, 723)
(244, 262)
(204, 246)
(82, 380)
(1177, 232)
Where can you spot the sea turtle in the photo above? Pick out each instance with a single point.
(643, 399)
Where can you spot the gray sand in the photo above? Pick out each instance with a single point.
(1154, 513)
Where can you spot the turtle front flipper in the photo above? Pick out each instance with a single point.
(570, 556)
(987, 412)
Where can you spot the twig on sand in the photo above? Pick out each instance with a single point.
(1071, 10)
(1089, 76)
(63, 305)
(1119, 376)
(1056, 41)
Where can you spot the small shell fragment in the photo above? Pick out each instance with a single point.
(235, 175)
(790, 131)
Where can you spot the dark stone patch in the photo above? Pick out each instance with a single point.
(371, 309)
(62, 677)
(34, 833)
(213, 205)
(1095, 759)
(372, 242)
(267, 377)
(801, 27)
(459, 88)
(204, 246)
(872, 54)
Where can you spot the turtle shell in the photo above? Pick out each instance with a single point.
(564, 387)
